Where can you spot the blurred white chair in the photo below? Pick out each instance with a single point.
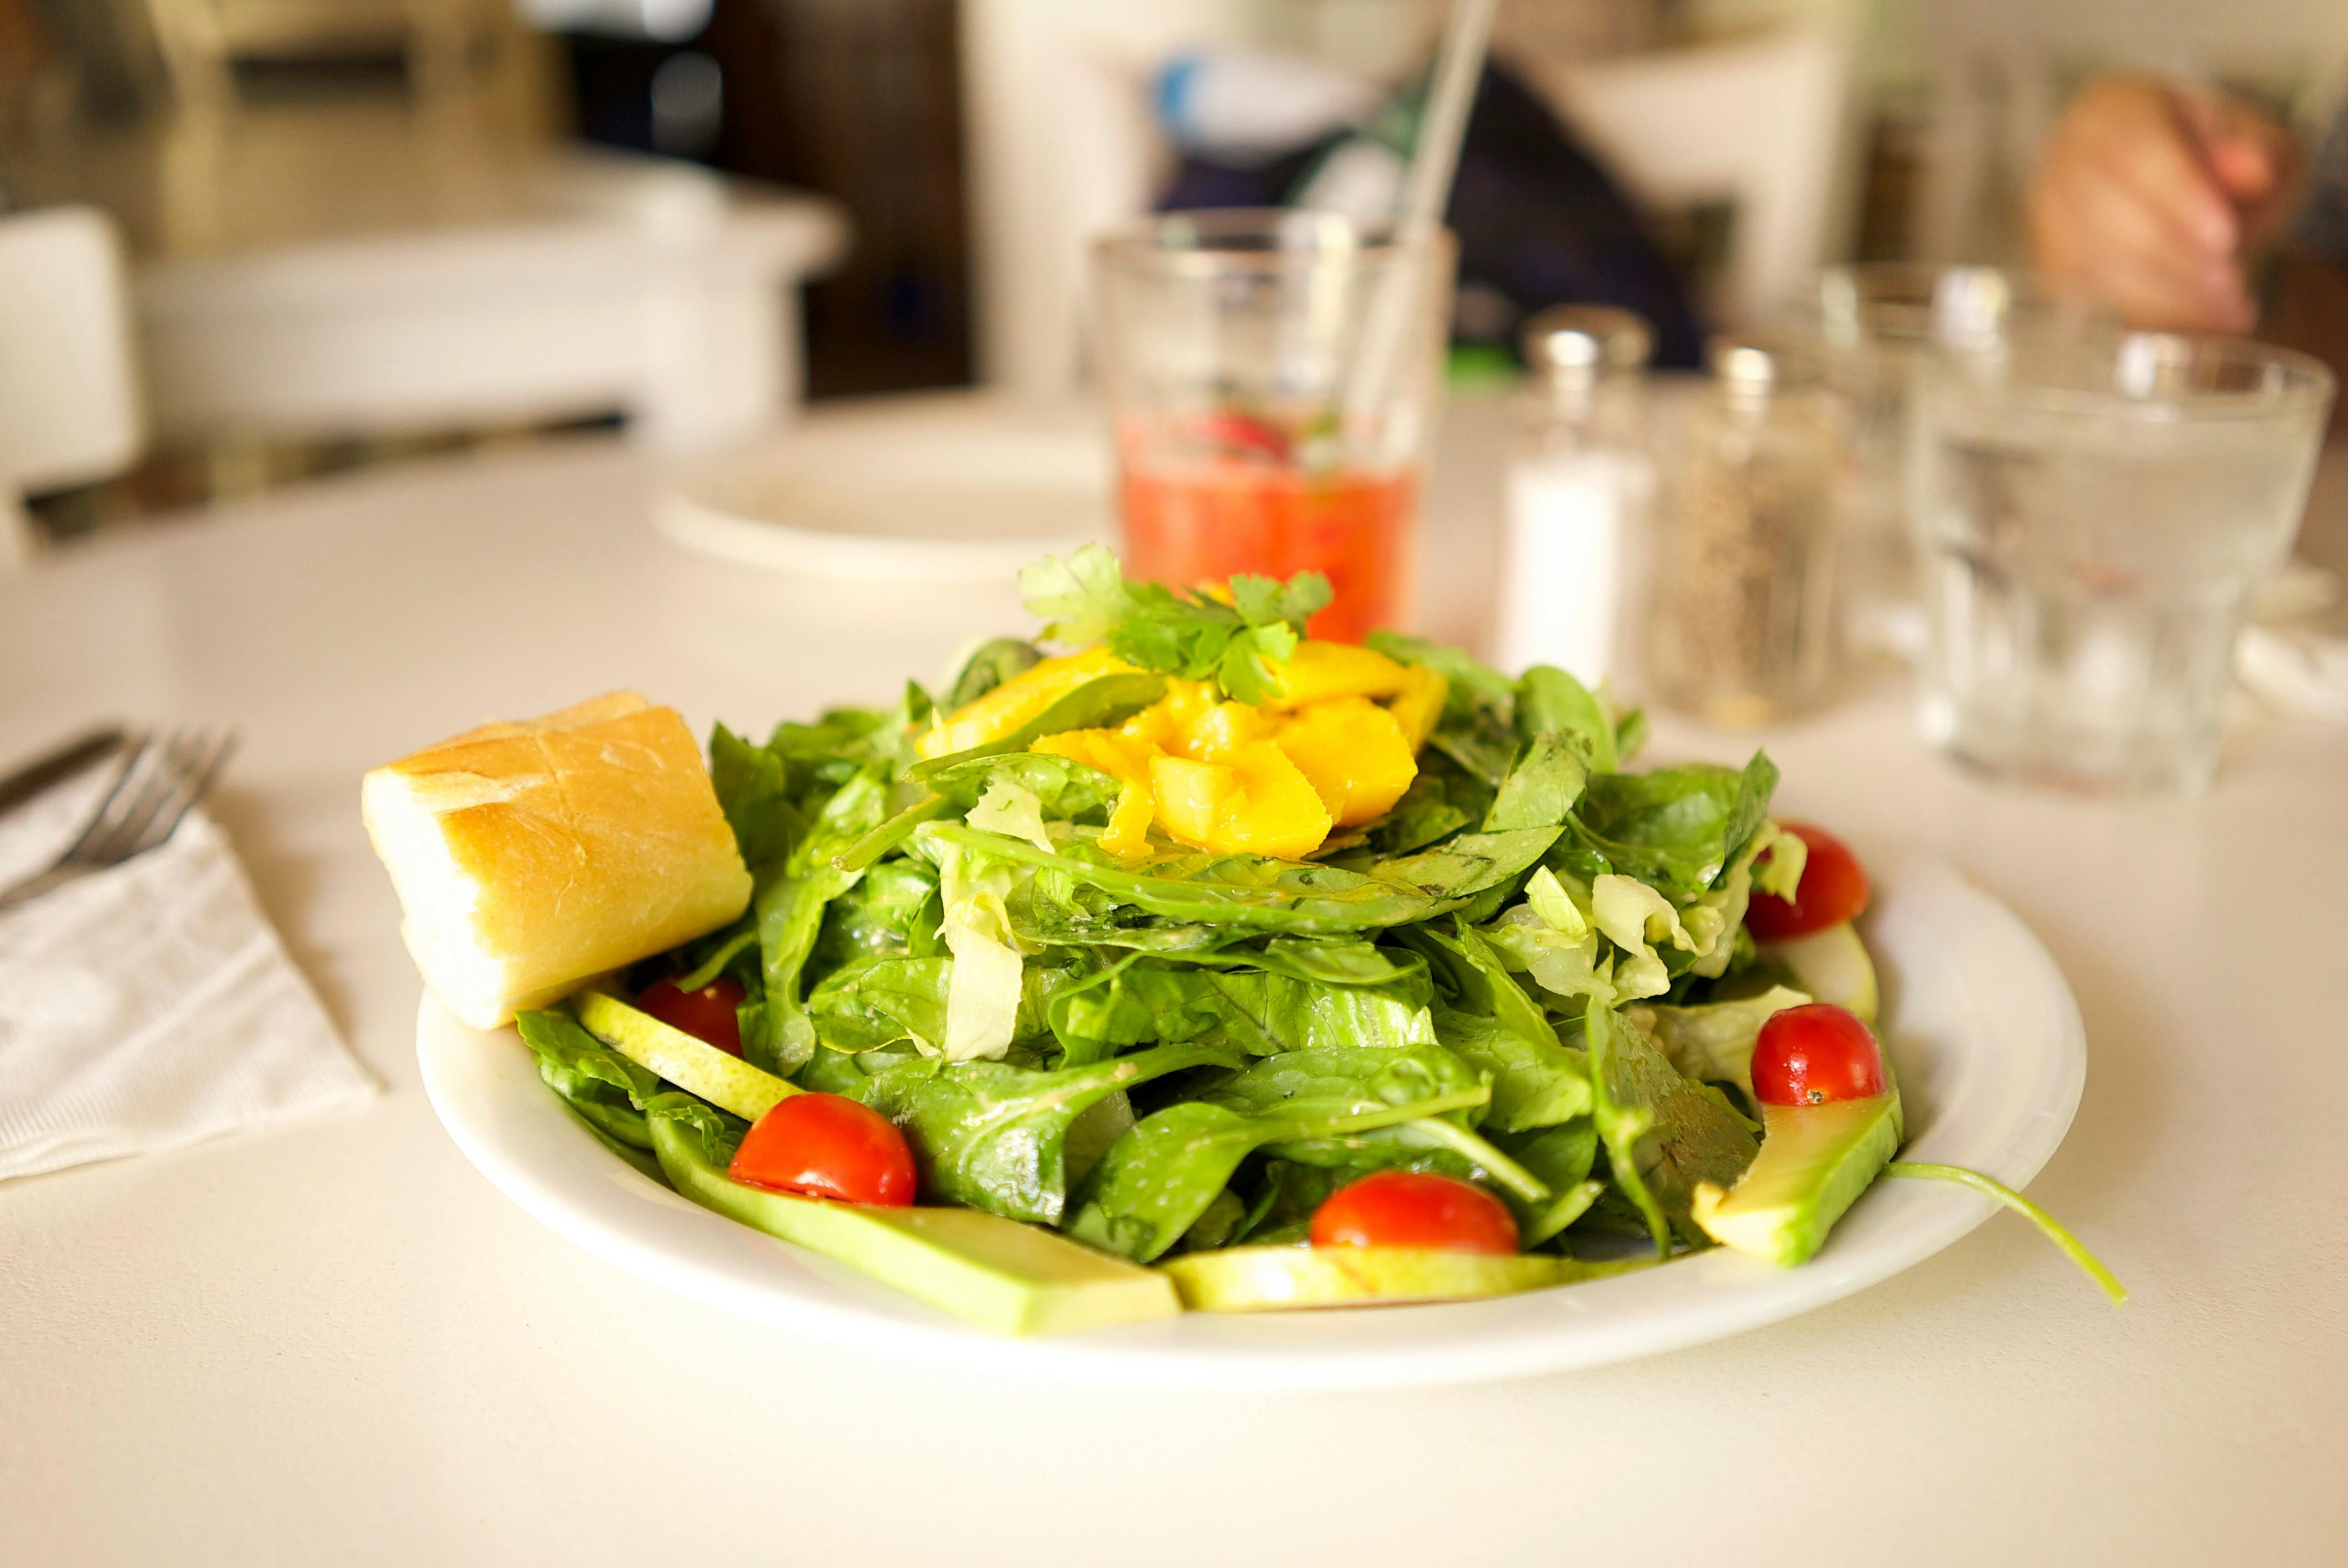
(1764, 124)
(1061, 143)
(70, 407)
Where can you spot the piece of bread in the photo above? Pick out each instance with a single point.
(530, 857)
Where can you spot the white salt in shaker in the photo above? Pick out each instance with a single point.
(1577, 494)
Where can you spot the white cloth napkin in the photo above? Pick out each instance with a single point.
(148, 1006)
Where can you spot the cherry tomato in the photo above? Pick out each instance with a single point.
(706, 1014)
(1815, 1055)
(828, 1146)
(1410, 1208)
(1833, 890)
(1239, 433)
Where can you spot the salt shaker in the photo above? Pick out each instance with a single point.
(1742, 630)
(1579, 491)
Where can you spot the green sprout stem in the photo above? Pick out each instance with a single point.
(1503, 1170)
(2073, 1248)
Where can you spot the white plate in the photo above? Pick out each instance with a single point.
(1982, 1031)
(942, 490)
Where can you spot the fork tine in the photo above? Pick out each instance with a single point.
(120, 823)
(204, 756)
(138, 768)
(164, 787)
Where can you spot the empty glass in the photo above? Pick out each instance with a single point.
(2092, 519)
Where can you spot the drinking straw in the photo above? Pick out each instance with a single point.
(1426, 188)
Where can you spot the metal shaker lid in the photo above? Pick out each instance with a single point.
(1586, 341)
(1758, 363)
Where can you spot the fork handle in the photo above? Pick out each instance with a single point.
(32, 887)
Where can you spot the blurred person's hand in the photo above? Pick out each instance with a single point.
(2152, 198)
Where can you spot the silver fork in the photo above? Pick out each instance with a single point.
(160, 783)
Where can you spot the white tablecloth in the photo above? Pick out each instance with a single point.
(338, 1343)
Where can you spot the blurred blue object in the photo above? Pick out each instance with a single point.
(1248, 106)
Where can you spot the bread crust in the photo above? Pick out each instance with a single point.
(531, 857)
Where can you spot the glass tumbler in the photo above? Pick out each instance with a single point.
(1876, 323)
(1272, 379)
(2093, 519)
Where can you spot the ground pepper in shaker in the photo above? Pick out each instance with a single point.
(1742, 629)
(1579, 491)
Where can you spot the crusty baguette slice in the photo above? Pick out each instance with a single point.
(531, 857)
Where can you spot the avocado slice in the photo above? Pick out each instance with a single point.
(1270, 1278)
(1832, 965)
(1002, 1275)
(694, 1065)
(1813, 1163)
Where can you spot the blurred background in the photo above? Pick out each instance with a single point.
(362, 229)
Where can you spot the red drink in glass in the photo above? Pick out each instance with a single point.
(1207, 521)
(1272, 381)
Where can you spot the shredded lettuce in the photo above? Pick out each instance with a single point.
(1011, 808)
(1713, 1042)
(983, 992)
(1636, 918)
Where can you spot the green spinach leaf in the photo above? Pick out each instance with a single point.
(1279, 894)
(993, 1135)
(990, 664)
(1663, 1133)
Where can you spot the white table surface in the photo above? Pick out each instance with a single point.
(336, 1343)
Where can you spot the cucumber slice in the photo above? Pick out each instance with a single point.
(1002, 1275)
(694, 1065)
(1813, 1163)
(1271, 1278)
(1833, 966)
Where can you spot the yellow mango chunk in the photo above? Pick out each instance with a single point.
(1166, 722)
(1016, 701)
(1126, 837)
(1275, 811)
(1190, 797)
(1355, 756)
(1418, 706)
(1319, 670)
(1113, 752)
(1256, 804)
(1126, 759)
(1219, 732)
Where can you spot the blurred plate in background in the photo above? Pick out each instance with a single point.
(929, 489)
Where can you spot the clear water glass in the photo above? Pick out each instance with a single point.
(1878, 323)
(2091, 519)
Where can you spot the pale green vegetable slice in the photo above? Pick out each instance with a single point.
(1003, 1274)
(1276, 1279)
(694, 1065)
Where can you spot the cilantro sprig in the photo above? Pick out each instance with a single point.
(1084, 598)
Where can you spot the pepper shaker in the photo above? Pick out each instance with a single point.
(1742, 629)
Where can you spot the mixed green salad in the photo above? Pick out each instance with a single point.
(1198, 964)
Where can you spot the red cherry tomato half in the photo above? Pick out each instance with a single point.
(1409, 1208)
(1815, 1055)
(706, 1014)
(828, 1146)
(1239, 433)
(1833, 890)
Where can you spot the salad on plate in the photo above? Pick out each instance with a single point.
(1169, 960)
